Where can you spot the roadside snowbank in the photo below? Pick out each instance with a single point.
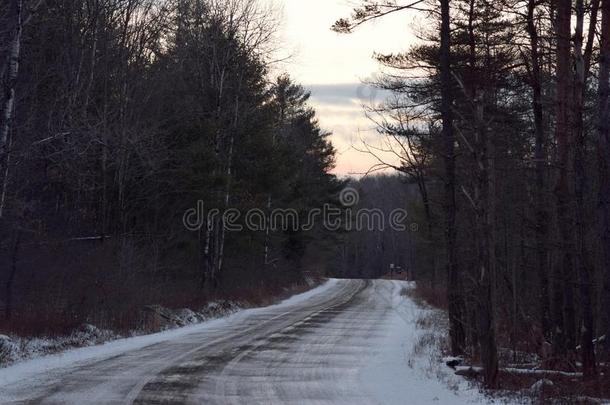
(14, 349)
(37, 358)
(412, 354)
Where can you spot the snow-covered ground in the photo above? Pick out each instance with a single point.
(40, 364)
(347, 341)
(409, 368)
(16, 349)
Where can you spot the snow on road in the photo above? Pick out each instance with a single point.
(346, 342)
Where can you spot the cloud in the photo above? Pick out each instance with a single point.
(339, 108)
(332, 66)
(348, 94)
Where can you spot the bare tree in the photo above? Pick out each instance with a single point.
(563, 298)
(15, 20)
(456, 328)
(604, 160)
(542, 216)
(583, 254)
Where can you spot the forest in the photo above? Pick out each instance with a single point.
(500, 116)
(117, 116)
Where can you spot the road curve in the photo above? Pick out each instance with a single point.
(311, 351)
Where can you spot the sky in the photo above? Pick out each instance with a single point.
(333, 66)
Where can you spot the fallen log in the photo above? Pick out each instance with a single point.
(470, 371)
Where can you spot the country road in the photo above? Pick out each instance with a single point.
(347, 342)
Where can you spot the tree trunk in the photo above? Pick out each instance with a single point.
(485, 219)
(604, 162)
(227, 195)
(582, 256)
(6, 110)
(563, 297)
(11, 278)
(205, 240)
(542, 217)
(456, 327)
(267, 244)
(5, 161)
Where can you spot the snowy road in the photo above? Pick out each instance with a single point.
(347, 342)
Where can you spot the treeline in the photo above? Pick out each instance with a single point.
(501, 116)
(118, 116)
(370, 245)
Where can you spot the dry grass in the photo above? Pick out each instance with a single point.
(513, 388)
(426, 295)
(431, 344)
